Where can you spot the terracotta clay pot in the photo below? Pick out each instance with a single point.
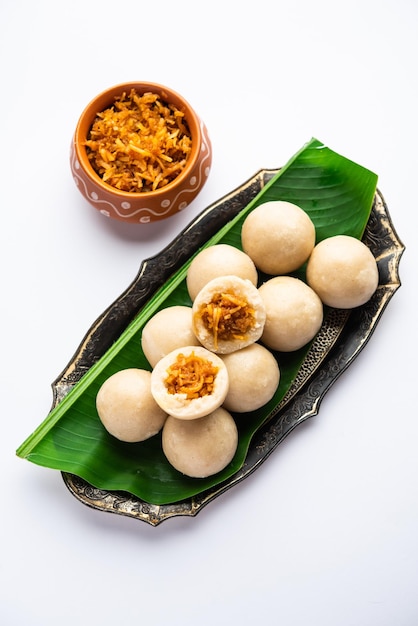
(148, 206)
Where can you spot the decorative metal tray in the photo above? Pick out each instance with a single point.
(387, 248)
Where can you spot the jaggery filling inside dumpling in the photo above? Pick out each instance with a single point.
(227, 316)
(191, 375)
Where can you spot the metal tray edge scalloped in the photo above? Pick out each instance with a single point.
(357, 329)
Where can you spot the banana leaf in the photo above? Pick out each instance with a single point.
(337, 194)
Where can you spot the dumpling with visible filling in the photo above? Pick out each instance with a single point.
(201, 447)
(228, 314)
(189, 382)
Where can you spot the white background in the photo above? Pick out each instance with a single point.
(325, 532)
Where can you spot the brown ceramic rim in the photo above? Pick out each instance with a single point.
(106, 99)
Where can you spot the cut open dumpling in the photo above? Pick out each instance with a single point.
(228, 314)
(189, 382)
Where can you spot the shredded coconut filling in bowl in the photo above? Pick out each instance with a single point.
(140, 143)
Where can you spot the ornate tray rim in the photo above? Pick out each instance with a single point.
(380, 236)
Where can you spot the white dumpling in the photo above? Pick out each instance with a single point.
(201, 447)
(294, 313)
(254, 376)
(167, 330)
(343, 272)
(215, 261)
(127, 408)
(278, 236)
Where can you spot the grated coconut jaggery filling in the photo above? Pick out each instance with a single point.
(191, 375)
(227, 317)
(139, 144)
